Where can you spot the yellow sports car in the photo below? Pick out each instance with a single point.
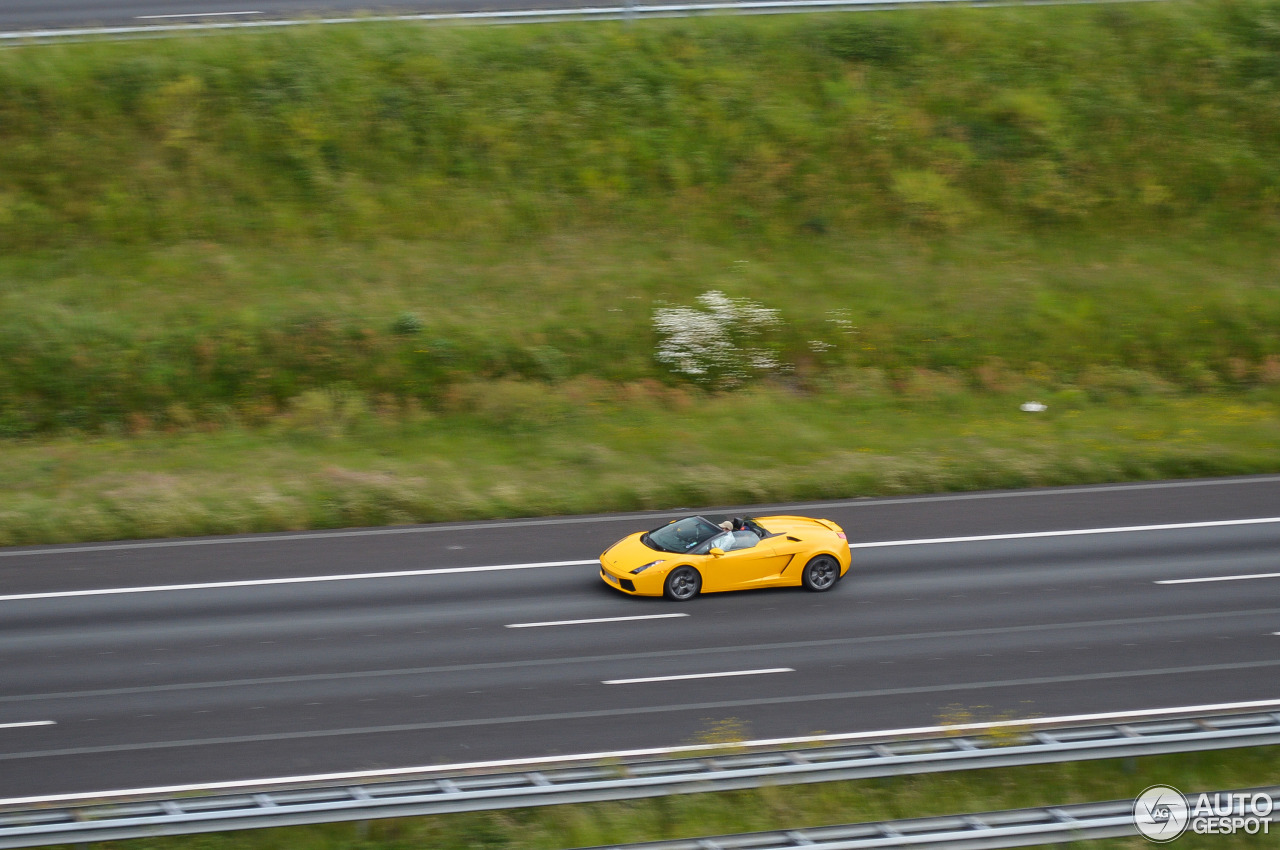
(696, 555)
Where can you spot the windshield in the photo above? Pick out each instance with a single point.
(683, 535)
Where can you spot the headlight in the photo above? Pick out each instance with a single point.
(638, 570)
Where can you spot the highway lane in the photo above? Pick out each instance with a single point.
(186, 686)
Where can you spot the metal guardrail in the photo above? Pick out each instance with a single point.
(427, 793)
(1013, 828)
(626, 11)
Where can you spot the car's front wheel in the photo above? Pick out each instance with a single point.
(683, 583)
(821, 573)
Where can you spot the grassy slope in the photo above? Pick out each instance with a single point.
(110, 337)
(371, 274)
(200, 225)
(782, 807)
(593, 447)
(1126, 115)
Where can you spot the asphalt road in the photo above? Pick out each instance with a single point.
(22, 15)
(156, 687)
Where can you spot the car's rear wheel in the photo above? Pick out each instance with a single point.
(821, 573)
(683, 583)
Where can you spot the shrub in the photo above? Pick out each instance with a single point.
(721, 344)
(407, 324)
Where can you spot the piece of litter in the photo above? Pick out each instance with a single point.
(1033, 406)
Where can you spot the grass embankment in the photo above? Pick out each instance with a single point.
(592, 447)
(779, 807)
(369, 274)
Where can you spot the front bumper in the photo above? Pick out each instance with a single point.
(617, 582)
(648, 583)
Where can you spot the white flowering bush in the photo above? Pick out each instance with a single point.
(722, 340)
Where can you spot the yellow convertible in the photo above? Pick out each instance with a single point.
(696, 555)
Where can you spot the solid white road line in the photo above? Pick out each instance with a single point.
(1072, 533)
(28, 723)
(216, 585)
(649, 751)
(192, 15)
(612, 518)
(1217, 578)
(697, 676)
(593, 620)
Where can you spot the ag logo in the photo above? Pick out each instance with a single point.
(1161, 813)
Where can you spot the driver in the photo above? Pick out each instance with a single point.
(737, 536)
(724, 540)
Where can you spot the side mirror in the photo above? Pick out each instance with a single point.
(716, 552)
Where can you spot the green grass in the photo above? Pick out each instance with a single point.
(517, 449)
(773, 808)
(96, 338)
(198, 227)
(1128, 115)
(340, 276)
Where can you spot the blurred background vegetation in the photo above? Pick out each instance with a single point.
(330, 233)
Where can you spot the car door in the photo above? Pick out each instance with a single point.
(741, 568)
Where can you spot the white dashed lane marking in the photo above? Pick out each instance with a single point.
(593, 620)
(27, 724)
(192, 15)
(698, 676)
(1217, 578)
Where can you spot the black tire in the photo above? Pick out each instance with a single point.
(821, 573)
(683, 584)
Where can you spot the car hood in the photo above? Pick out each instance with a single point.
(629, 553)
